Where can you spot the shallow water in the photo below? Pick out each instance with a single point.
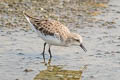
(21, 59)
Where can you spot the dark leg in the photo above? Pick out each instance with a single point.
(44, 50)
(50, 52)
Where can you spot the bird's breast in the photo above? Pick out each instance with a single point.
(51, 39)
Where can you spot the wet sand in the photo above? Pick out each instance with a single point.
(21, 59)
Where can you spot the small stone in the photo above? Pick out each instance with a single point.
(41, 9)
(20, 54)
(28, 70)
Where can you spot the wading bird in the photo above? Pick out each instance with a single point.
(54, 33)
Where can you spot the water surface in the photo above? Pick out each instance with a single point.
(20, 50)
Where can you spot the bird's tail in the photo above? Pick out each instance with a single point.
(30, 20)
(26, 15)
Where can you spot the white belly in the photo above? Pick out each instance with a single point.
(53, 40)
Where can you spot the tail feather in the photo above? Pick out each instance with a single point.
(26, 15)
(30, 20)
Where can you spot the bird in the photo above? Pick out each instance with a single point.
(54, 33)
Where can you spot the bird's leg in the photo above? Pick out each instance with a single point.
(50, 51)
(44, 50)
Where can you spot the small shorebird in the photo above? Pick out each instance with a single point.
(54, 33)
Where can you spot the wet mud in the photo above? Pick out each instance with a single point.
(20, 47)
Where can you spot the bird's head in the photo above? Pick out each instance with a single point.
(76, 39)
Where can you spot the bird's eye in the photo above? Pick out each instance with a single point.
(77, 40)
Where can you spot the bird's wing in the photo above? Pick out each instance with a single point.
(51, 27)
(48, 27)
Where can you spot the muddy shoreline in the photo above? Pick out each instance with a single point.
(20, 47)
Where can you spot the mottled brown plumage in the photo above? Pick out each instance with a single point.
(50, 27)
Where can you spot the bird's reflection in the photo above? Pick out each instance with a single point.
(56, 72)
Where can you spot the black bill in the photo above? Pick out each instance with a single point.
(83, 47)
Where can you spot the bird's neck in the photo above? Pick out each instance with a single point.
(69, 39)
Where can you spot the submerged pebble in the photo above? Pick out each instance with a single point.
(20, 53)
(28, 70)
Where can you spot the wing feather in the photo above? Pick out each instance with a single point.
(51, 27)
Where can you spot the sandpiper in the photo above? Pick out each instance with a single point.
(54, 33)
